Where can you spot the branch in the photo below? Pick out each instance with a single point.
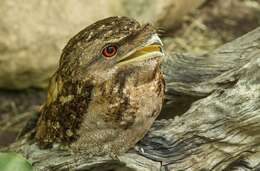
(217, 128)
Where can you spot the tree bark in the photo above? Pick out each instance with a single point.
(215, 102)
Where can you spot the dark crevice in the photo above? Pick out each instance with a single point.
(177, 106)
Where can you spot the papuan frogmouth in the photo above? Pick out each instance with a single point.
(107, 91)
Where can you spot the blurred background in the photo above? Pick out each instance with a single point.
(33, 33)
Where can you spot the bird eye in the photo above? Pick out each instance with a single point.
(109, 51)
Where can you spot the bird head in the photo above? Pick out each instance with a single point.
(100, 50)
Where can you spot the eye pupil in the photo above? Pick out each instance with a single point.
(109, 51)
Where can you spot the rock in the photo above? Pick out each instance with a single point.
(33, 32)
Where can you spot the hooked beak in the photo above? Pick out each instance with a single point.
(151, 49)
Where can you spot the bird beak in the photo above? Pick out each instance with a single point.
(151, 49)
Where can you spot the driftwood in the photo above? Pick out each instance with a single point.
(214, 101)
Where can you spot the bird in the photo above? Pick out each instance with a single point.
(107, 91)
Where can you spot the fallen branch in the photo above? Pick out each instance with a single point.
(218, 124)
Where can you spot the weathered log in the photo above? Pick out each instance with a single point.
(218, 127)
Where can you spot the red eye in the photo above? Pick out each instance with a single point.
(109, 51)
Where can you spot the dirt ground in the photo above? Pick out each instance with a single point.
(215, 23)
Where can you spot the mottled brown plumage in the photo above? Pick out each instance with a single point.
(104, 106)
